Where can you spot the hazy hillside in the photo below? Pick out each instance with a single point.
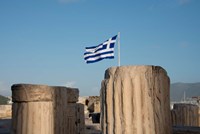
(3, 100)
(177, 90)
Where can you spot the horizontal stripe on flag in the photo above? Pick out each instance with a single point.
(99, 55)
(98, 48)
(95, 59)
(99, 52)
(94, 49)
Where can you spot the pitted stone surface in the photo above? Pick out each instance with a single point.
(135, 100)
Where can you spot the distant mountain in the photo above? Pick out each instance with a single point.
(177, 90)
(3, 100)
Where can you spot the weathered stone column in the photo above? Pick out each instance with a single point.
(185, 115)
(75, 113)
(75, 118)
(135, 100)
(38, 109)
(199, 116)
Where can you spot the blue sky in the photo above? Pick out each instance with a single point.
(43, 41)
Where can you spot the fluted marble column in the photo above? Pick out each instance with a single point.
(185, 115)
(135, 100)
(38, 109)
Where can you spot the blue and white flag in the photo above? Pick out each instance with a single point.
(100, 52)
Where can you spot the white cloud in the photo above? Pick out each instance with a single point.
(184, 44)
(68, 1)
(95, 88)
(184, 2)
(4, 89)
(168, 4)
(95, 91)
(70, 84)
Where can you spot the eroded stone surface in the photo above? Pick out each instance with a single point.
(42, 109)
(135, 100)
(185, 115)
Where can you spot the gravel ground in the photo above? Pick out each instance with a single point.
(90, 128)
(5, 126)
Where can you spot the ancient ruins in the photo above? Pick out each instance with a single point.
(5, 111)
(41, 109)
(133, 100)
(185, 115)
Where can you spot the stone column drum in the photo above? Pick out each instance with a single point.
(185, 115)
(38, 109)
(75, 122)
(199, 117)
(135, 100)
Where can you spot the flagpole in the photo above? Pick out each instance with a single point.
(118, 48)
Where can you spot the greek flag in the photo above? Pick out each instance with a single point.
(100, 52)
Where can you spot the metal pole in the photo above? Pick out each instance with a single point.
(118, 48)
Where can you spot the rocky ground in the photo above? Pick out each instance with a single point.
(90, 128)
(5, 126)
(94, 128)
